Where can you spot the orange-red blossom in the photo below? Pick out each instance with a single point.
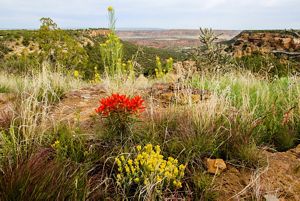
(117, 103)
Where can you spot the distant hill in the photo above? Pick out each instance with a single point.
(171, 38)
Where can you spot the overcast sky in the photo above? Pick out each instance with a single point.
(218, 14)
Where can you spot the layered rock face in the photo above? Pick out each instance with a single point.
(264, 42)
(98, 32)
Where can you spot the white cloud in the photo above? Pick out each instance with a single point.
(229, 14)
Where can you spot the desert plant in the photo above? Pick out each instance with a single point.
(111, 53)
(210, 55)
(31, 122)
(261, 102)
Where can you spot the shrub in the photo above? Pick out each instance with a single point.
(70, 145)
(267, 65)
(148, 173)
(59, 47)
(210, 55)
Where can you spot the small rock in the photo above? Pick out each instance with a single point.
(141, 82)
(86, 96)
(269, 197)
(215, 166)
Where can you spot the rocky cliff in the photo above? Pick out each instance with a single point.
(277, 42)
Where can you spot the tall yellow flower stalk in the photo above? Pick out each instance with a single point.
(112, 49)
(112, 52)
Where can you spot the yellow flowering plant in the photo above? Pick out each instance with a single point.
(147, 169)
(110, 9)
(161, 71)
(76, 74)
(97, 77)
(112, 52)
(169, 64)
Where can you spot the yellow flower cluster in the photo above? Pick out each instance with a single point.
(112, 39)
(169, 64)
(149, 167)
(56, 144)
(97, 77)
(76, 74)
(159, 70)
(110, 8)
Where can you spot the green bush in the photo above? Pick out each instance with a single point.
(70, 145)
(267, 65)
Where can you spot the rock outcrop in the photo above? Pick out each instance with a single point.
(249, 42)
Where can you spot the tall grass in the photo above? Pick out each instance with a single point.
(28, 168)
(35, 95)
(270, 106)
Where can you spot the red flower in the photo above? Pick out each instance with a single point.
(117, 103)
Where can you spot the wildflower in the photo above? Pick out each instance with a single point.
(146, 182)
(119, 177)
(127, 169)
(120, 112)
(122, 158)
(56, 144)
(110, 8)
(177, 184)
(122, 104)
(181, 167)
(149, 167)
(130, 162)
(76, 74)
(118, 161)
(139, 147)
(158, 179)
(157, 149)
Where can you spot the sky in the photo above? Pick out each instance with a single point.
(168, 14)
